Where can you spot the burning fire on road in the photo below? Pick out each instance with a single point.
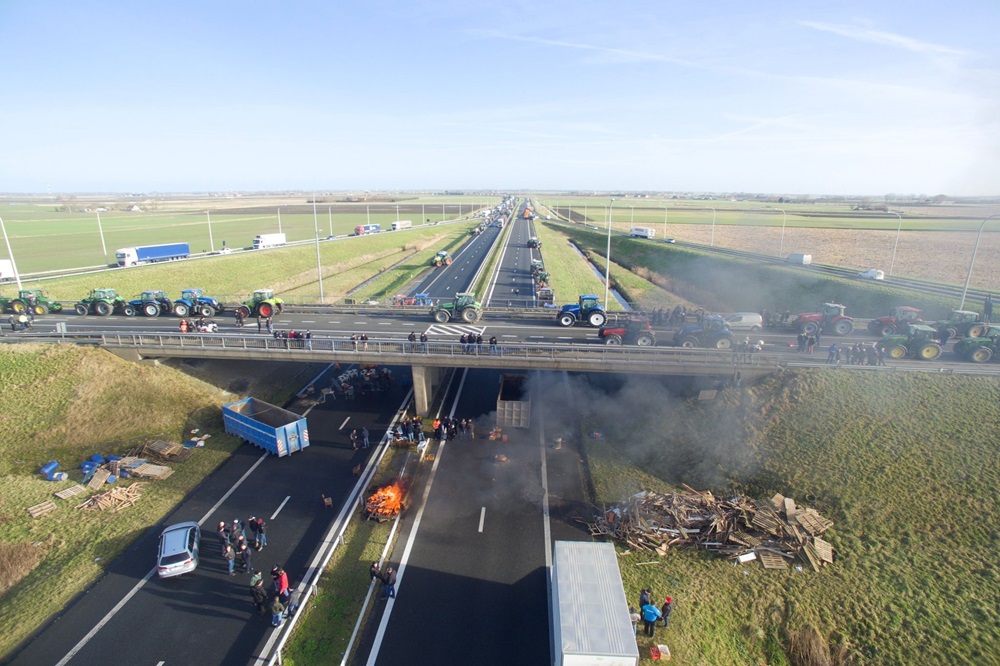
(386, 502)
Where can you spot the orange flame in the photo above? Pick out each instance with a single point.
(386, 501)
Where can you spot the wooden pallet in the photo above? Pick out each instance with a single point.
(40, 510)
(813, 522)
(99, 479)
(69, 492)
(771, 560)
(148, 470)
(823, 549)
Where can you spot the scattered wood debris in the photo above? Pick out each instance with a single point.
(115, 499)
(171, 451)
(774, 531)
(99, 478)
(40, 510)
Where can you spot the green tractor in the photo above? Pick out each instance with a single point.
(962, 324)
(919, 341)
(103, 302)
(30, 300)
(464, 307)
(263, 303)
(440, 259)
(534, 242)
(982, 348)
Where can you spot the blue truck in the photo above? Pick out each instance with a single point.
(267, 426)
(147, 254)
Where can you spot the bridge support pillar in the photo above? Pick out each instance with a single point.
(425, 380)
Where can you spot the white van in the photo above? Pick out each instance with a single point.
(872, 274)
(744, 321)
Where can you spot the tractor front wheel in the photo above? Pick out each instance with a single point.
(952, 332)
(441, 316)
(597, 319)
(279, 307)
(810, 328)
(151, 309)
(929, 351)
(724, 343)
(981, 355)
(265, 310)
(644, 340)
(80, 309)
(613, 339)
(887, 329)
(40, 309)
(103, 308)
(567, 320)
(690, 342)
(977, 330)
(128, 311)
(182, 310)
(897, 352)
(207, 311)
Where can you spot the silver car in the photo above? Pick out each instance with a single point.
(178, 551)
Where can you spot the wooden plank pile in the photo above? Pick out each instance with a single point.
(773, 531)
(117, 498)
(171, 451)
(39, 510)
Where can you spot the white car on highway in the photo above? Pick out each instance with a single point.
(872, 274)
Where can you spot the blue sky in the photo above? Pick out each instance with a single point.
(787, 97)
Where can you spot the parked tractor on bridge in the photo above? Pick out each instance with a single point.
(262, 303)
(962, 324)
(980, 349)
(464, 307)
(632, 331)
(442, 258)
(919, 341)
(194, 302)
(711, 332)
(150, 303)
(103, 302)
(897, 320)
(534, 242)
(588, 309)
(29, 300)
(831, 320)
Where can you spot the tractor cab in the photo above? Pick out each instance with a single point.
(263, 295)
(832, 311)
(713, 324)
(963, 317)
(546, 297)
(906, 313)
(589, 302)
(104, 294)
(465, 300)
(191, 295)
(153, 295)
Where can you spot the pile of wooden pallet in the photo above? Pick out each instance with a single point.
(117, 498)
(773, 531)
(171, 451)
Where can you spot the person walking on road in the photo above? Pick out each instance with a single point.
(237, 530)
(277, 608)
(389, 578)
(354, 439)
(650, 614)
(364, 437)
(252, 526)
(261, 534)
(230, 557)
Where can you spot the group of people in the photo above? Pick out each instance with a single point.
(473, 344)
(280, 601)
(201, 325)
(808, 341)
(649, 613)
(296, 339)
(237, 549)
(360, 342)
(388, 578)
(411, 429)
(448, 428)
(412, 339)
(856, 354)
(21, 322)
(668, 317)
(359, 439)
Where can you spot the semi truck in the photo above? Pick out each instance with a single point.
(264, 241)
(642, 232)
(402, 224)
(267, 426)
(147, 254)
(513, 407)
(363, 229)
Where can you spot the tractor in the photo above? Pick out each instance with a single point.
(832, 319)
(541, 278)
(442, 258)
(633, 331)
(464, 307)
(194, 302)
(33, 300)
(900, 316)
(962, 324)
(262, 303)
(919, 341)
(149, 303)
(712, 331)
(982, 348)
(534, 242)
(588, 309)
(103, 302)
(546, 298)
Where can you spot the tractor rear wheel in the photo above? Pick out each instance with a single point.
(952, 332)
(470, 316)
(265, 309)
(80, 309)
(810, 328)
(897, 351)
(18, 307)
(41, 309)
(566, 320)
(644, 340)
(613, 339)
(843, 327)
(929, 351)
(724, 343)
(981, 354)
(103, 308)
(151, 309)
(128, 311)
(690, 342)
(887, 329)
(977, 330)
(441, 316)
(597, 319)
(182, 310)
(207, 311)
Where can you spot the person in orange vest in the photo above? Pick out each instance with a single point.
(184, 326)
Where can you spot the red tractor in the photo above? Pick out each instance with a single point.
(831, 320)
(632, 331)
(897, 320)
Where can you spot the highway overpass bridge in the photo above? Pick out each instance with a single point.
(430, 359)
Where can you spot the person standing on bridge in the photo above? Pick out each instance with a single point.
(493, 345)
(389, 578)
(423, 342)
(479, 343)
(412, 338)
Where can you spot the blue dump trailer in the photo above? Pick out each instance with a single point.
(268, 426)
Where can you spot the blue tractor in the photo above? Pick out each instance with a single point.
(149, 303)
(194, 302)
(589, 309)
(711, 332)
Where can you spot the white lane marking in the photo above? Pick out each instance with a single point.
(333, 322)
(282, 506)
(508, 336)
(131, 593)
(482, 518)
(160, 663)
(308, 321)
(386, 323)
(344, 423)
(563, 337)
(536, 336)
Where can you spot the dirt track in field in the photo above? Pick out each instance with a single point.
(933, 255)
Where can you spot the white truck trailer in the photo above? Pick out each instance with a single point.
(264, 241)
(642, 232)
(589, 611)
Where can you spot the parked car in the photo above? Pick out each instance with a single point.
(744, 321)
(178, 551)
(872, 274)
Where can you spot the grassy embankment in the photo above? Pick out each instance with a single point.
(67, 403)
(290, 271)
(907, 468)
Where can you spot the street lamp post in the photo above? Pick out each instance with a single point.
(899, 228)
(211, 240)
(968, 277)
(319, 263)
(330, 213)
(10, 253)
(368, 212)
(781, 246)
(664, 223)
(397, 212)
(607, 265)
(279, 219)
(713, 225)
(100, 230)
